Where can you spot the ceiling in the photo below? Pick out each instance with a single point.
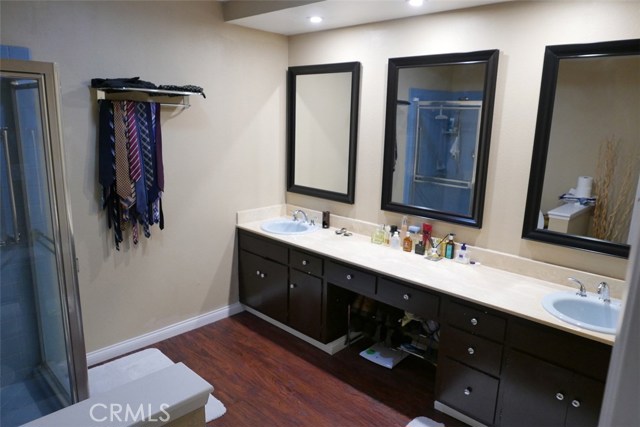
(290, 17)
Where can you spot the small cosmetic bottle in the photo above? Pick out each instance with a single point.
(407, 243)
(449, 247)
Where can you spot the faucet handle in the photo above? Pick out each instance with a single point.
(582, 291)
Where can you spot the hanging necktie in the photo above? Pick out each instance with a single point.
(124, 185)
(134, 156)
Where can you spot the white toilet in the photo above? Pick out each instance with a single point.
(571, 218)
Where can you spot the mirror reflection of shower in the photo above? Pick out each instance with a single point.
(441, 144)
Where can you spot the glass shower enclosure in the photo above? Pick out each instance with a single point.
(43, 358)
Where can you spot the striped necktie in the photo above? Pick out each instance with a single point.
(124, 186)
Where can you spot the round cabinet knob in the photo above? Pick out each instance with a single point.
(305, 262)
(292, 285)
(575, 403)
(406, 297)
(559, 396)
(474, 321)
(257, 272)
(467, 391)
(349, 277)
(471, 350)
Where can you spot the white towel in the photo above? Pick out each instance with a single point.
(455, 148)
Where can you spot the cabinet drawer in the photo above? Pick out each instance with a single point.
(476, 320)
(304, 262)
(561, 348)
(472, 350)
(263, 248)
(351, 278)
(467, 390)
(407, 298)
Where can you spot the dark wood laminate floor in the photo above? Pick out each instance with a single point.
(266, 377)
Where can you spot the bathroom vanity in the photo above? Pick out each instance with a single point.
(502, 360)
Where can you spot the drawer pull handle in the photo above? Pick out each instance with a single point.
(575, 403)
(474, 321)
(467, 391)
(349, 277)
(292, 285)
(471, 350)
(559, 396)
(406, 297)
(305, 262)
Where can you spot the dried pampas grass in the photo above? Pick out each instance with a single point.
(614, 188)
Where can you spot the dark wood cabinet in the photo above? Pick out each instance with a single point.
(538, 393)
(288, 286)
(493, 367)
(551, 378)
(263, 285)
(470, 359)
(305, 304)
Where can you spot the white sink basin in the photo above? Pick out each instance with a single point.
(287, 226)
(588, 312)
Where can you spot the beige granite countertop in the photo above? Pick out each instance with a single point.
(502, 290)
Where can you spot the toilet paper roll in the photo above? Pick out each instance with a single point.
(583, 189)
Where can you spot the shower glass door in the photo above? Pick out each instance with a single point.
(43, 355)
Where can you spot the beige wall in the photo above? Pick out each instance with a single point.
(223, 154)
(227, 152)
(520, 30)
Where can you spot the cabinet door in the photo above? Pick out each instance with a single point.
(305, 303)
(534, 393)
(584, 402)
(263, 285)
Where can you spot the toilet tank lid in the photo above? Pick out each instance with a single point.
(569, 210)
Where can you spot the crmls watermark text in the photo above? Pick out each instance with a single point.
(101, 412)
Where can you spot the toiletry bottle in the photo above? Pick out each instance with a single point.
(378, 236)
(325, 219)
(463, 254)
(404, 227)
(449, 247)
(387, 235)
(407, 243)
(426, 235)
(395, 240)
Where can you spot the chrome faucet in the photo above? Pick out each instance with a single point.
(603, 291)
(300, 211)
(582, 292)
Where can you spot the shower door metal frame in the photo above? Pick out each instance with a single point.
(60, 209)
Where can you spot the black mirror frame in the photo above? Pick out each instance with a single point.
(552, 57)
(354, 68)
(490, 58)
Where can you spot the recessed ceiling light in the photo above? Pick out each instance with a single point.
(315, 19)
(416, 3)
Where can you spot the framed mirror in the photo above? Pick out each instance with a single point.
(437, 134)
(584, 190)
(322, 129)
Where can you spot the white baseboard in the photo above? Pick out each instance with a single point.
(439, 406)
(331, 348)
(153, 337)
